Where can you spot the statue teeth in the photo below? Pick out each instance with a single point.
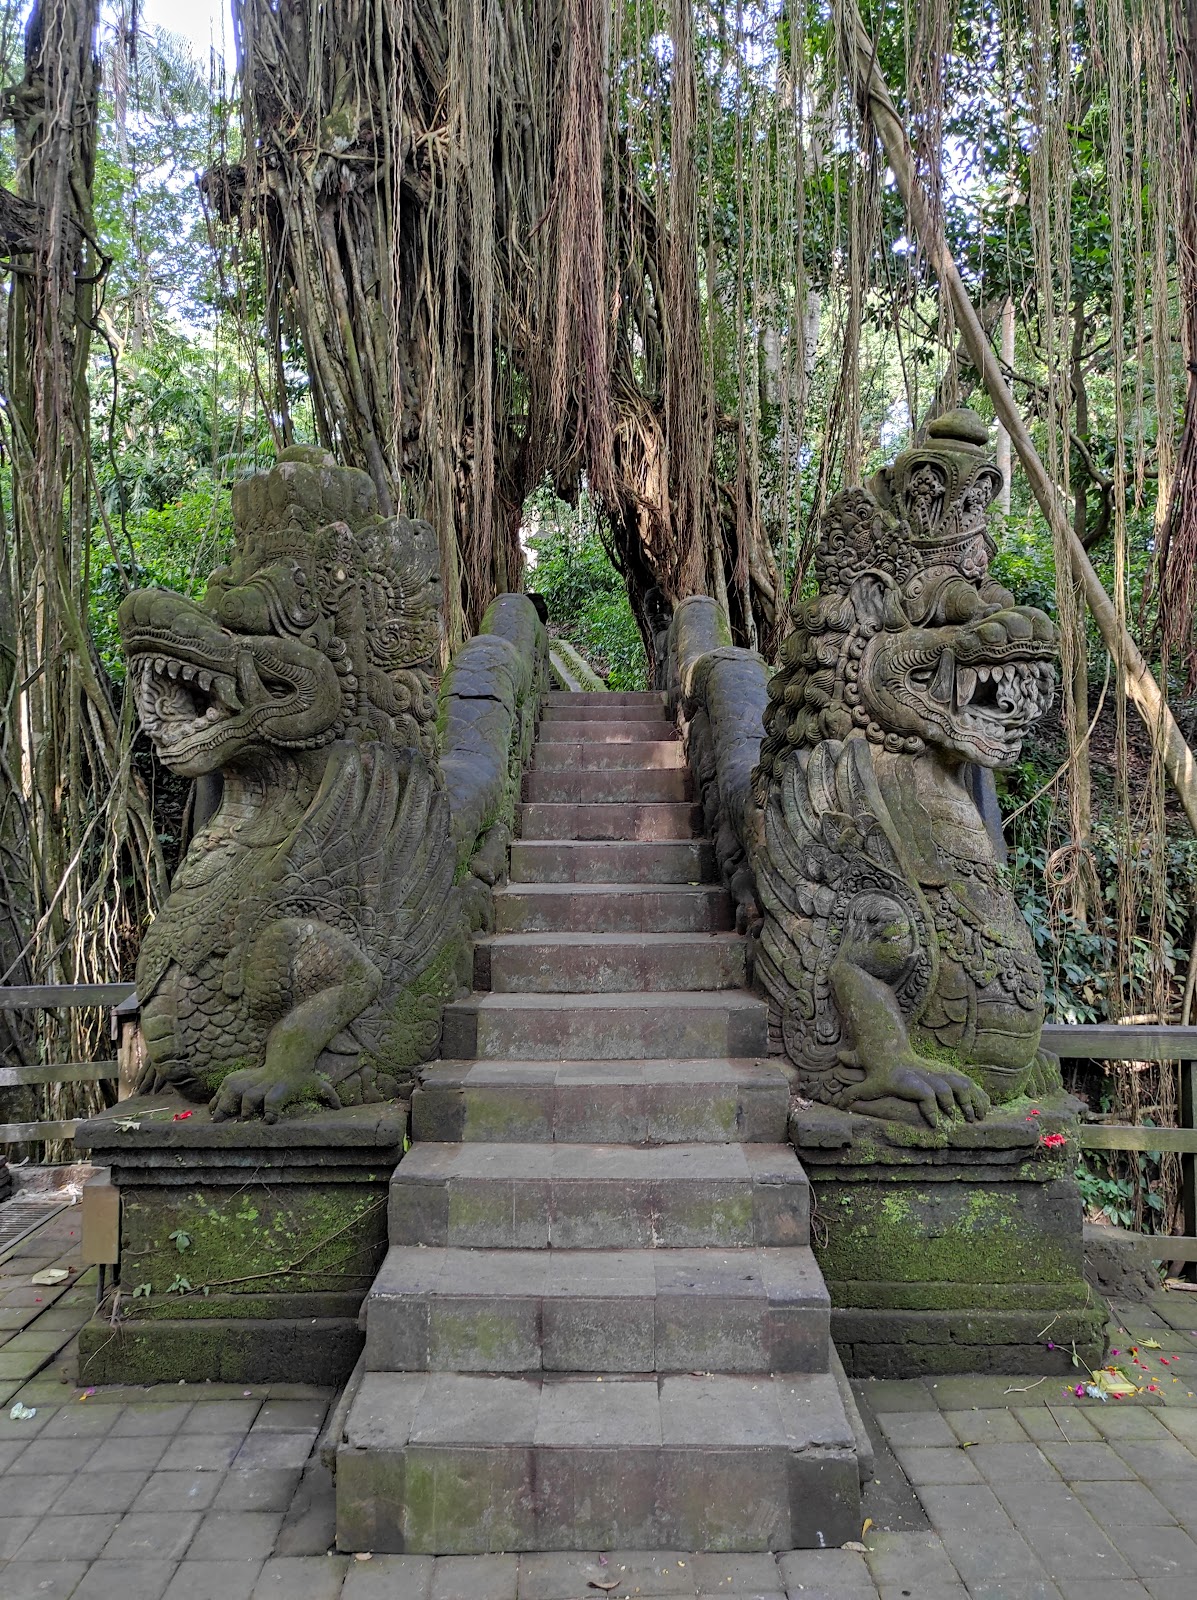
(983, 674)
(966, 683)
(945, 674)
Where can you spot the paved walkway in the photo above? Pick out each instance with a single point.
(994, 1489)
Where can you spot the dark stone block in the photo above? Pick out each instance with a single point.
(321, 1350)
(246, 1247)
(957, 1250)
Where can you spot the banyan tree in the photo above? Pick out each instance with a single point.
(705, 261)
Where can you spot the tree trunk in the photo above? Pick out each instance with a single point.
(89, 830)
(1142, 687)
(487, 293)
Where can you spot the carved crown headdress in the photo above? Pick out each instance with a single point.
(928, 509)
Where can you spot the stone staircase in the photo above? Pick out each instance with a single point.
(600, 1324)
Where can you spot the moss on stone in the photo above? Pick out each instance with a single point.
(949, 1233)
(311, 1237)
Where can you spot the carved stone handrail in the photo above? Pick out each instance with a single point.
(718, 694)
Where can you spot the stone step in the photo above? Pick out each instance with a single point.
(447, 1463)
(666, 785)
(596, 963)
(600, 730)
(714, 1101)
(599, 1197)
(645, 713)
(617, 1311)
(656, 1026)
(612, 908)
(586, 755)
(612, 697)
(612, 861)
(609, 819)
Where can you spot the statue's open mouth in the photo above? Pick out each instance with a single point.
(179, 700)
(1011, 692)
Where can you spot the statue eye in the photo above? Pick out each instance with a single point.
(921, 674)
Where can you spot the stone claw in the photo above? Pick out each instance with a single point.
(259, 1092)
(935, 1089)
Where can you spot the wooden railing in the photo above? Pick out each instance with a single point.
(56, 997)
(1105, 1042)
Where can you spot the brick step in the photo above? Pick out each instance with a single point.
(586, 755)
(611, 697)
(610, 819)
(612, 861)
(641, 713)
(596, 963)
(617, 1311)
(602, 730)
(450, 1464)
(714, 1101)
(656, 1026)
(612, 908)
(599, 1197)
(664, 786)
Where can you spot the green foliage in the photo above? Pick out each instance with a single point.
(175, 548)
(1080, 961)
(1112, 1192)
(586, 597)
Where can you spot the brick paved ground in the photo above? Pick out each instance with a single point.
(995, 1489)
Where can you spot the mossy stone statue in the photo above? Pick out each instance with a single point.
(313, 932)
(902, 976)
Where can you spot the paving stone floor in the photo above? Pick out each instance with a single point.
(989, 1488)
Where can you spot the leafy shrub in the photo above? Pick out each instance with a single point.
(587, 598)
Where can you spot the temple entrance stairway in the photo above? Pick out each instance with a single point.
(600, 1324)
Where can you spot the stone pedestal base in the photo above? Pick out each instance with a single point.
(246, 1249)
(951, 1251)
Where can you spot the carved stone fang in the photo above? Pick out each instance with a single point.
(944, 680)
(966, 683)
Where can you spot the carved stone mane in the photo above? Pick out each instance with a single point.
(902, 976)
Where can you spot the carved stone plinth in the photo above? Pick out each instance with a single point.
(246, 1248)
(958, 1250)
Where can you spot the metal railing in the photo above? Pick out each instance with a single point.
(56, 997)
(1110, 1042)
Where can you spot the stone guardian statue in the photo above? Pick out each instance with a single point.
(313, 931)
(902, 977)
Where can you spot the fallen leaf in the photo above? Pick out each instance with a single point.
(1152, 1344)
(50, 1276)
(868, 1523)
(604, 1583)
(856, 1544)
(364, 1555)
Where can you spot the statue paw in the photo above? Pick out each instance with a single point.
(261, 1092)
(1045, 1077)
(934, 1088)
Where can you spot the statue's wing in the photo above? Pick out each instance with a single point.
(374, 858)
(829, 838)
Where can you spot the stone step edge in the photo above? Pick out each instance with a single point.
(707, 1069)
(747, 1311)
(614, 999)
